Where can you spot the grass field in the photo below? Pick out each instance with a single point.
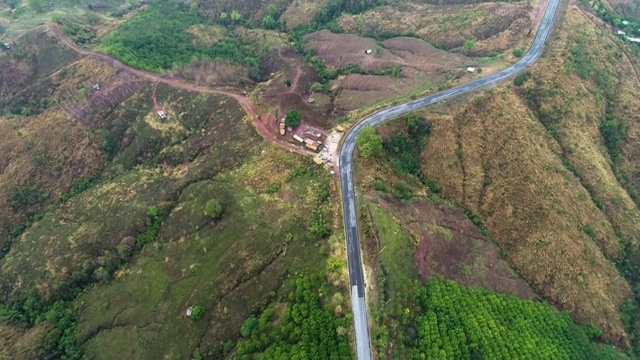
(217, 264)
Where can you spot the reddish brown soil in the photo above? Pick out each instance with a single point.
(262, 123)
(278, 95)
(462, 254)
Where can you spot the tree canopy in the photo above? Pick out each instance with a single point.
(369, 142)
(293, 118)
(213, 209)
(197, 312)
(461, 323)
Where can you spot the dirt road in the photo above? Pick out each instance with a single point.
(258, 121)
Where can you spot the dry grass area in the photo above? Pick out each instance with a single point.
(48, 163)
(206, 35)
(496, 157)
(23, 344)
(494, 26)
(301, 12)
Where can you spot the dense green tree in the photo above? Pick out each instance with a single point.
(307, 330)
(268, 22)
(457, 322)
(197, 312)
(469, 44)
(369, 142)
(235, 15)
(272, 11)
(213, 209)
(293, 118)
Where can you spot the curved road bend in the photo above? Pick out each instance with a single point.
(363, 349)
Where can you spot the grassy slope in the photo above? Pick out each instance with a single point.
(206, 148)
(536, 209)
(402, 309)
(230, 267)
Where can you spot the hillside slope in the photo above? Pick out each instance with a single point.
(531, 160)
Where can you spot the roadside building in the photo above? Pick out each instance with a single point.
(282, 130)
(471, 69)
(317, 160)
(312, 144)
(298, 138)
(369, 51)
(339, 128)
(7, 46)
(162, 114)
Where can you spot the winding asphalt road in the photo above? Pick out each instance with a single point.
(363, 348)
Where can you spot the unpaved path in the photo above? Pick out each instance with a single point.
(294, 83)
(183, 85)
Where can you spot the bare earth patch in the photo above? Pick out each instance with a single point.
(452, 247)
(494, 26)
(421, 64)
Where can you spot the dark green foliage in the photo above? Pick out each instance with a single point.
(402, 191)
(198, 312)
(629, 265)
(432, 185)
(297, 171)
(249, 326)
(394, 71)
(589, 231)
(79, 186)
(521, 78)
(78, 31)
(380, 186)
(293, 118)
(475, 219)
(404, 152)
(273, 188)
(157, 39)
(268, 22)
(319, 225)
(308, 329)
(457, 322)
(154, 221)
(369, 142)
(61, 342)
(108, 142)
(213, 209)
(228, 346)
(581, 59)
(613, 133)
(25, 197)
(518, 53)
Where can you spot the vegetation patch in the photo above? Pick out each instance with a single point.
(307, 328)
(456, 322)
(158, 38)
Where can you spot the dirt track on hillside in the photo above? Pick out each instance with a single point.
(259, 121)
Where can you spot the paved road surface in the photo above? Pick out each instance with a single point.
(363, 349)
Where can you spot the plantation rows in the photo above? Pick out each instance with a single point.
(470, 323)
